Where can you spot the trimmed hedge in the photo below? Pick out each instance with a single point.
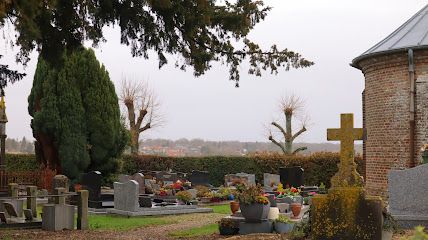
(319, 167)
(21, 162)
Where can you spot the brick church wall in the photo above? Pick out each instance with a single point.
(386, 115)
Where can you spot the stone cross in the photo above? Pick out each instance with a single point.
(347, 175)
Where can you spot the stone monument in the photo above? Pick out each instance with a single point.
(346, 212)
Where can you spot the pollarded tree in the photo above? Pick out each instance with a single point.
(289, 105)
(140, 100)
(196, 31)
(76, 117)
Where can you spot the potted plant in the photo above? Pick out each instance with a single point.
(288, 195)
(390, 226)
(186, 185)
(227, 227)
(217, 197)
(184, 197)
(254, 206)
(283, 225)
(206, 197)
(177, 185)
(201, 190)
(424, 153)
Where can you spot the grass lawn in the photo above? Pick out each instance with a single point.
(224, 209)
(107, 222)
(196, 232)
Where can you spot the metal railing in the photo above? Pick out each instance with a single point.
(40, 178)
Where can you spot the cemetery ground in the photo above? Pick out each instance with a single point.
(185, 226)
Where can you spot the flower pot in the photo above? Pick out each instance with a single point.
(194, 202)
(272, 201)
(234, 207)
(181, 202)
(283, 227)
(216, 199)
(205, 199)
(169, 192)
(273, 213)
(228, 231)
(255, 212)
(283, 207)
(387, 235)
(296, 208)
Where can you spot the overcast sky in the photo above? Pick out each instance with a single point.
(330, 32)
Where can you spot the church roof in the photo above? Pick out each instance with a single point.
(413, 34)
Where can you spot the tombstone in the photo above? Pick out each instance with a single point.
(126, 198)
(10, 209)
(292, 176)
(139, 178)
(346, 212)
(268, 179)
(193, 192)
(60, 181)
(57, 217)
(201, 178)
(229, 179)
(18, 204)
(166, 177)
(181, 176)
(408, 194)
(92, 182)
(123, 178)
(251, 178)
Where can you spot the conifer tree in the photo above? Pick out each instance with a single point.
(76, 117)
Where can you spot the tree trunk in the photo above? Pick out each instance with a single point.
(135, 144)
(289, 135)
(48, 153)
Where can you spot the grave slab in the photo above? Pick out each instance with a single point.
(408, 199)
(249, 228)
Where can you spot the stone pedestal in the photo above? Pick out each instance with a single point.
(57, 217)
(346, 213)
(249, 228)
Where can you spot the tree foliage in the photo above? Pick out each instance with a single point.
(7, 75)
(198, 32)
(76, 117)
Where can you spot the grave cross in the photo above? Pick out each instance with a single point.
(347, 175)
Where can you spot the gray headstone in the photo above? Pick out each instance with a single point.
(251, 178)
(126, 196)
(292, 176)
(166, 177)
(60, 181)
(57, 217)
(193, 192)
(408, 191)
(268, 179)
(139, 177)
(18, 204)
(123, 178)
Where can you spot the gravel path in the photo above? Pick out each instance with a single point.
(153, 232)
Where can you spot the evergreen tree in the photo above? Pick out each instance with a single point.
(76, 118)
(198, 32)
